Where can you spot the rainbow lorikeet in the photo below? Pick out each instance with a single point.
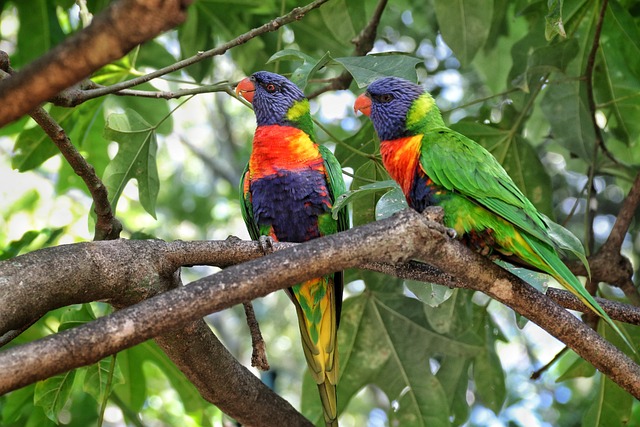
(436, 166)
(288, 189)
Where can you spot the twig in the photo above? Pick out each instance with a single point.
(79, 97)
(107, 225)
(363, 44)
(588, 74)
(259, 354)
(627, 211)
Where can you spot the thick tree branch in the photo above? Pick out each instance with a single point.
(114, 32)
(398, 239)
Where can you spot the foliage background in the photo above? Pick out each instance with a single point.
(509, 74)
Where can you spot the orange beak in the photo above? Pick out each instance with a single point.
(363, 104)
(246, 89)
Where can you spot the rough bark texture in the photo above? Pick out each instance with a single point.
(399, 239)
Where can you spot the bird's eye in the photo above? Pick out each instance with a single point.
(386, 97)
(270, 87)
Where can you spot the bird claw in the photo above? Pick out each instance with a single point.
(435, 214)
(266, 244)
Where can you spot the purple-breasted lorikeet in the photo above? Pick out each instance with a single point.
(288, 189)
(436, 166)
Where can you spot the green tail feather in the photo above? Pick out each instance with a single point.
(556, 268)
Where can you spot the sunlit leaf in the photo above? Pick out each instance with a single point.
(465, 26)
(391, 202)
(309, 66)
(554, 24)
(364, 190)
(136, 159)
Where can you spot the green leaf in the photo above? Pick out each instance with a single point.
(363, 207)
(554, 24)
(97, 378)
(385, 339)
(136, 159)
(367, 69)
(40, 14)
(429, 293)
(565, 106)
(440, 307)
(612, 405)
(337, 11)
(619, 85)
(364, 190)
(578, 369)
(195, 36)
(52, 394)
(489, 376)
(391, 202)
(309, 66)
(133, 390)
(465, 26)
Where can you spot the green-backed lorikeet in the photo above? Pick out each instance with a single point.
(436, 166)
(288, 189)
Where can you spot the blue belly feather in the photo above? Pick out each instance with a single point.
(291, 202)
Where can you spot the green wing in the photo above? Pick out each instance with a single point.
(246, 207)
(336, 184)
(460, 164)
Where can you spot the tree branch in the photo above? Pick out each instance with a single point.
(588, 74)
(114, 32)
(78, 96)
(398, 239)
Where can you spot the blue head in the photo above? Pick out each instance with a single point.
(273, 97)
(387, 102)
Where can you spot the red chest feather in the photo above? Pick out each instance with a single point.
(401, 158)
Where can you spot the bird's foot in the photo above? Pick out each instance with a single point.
(435, 214)
(266, 244)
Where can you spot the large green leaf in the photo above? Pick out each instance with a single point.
(52, 394)
(195, 36)
(367, 69)
(385, 340)
(620, 84)
(136, 159)
(565, 106)
(465, 26)
(40, 15)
